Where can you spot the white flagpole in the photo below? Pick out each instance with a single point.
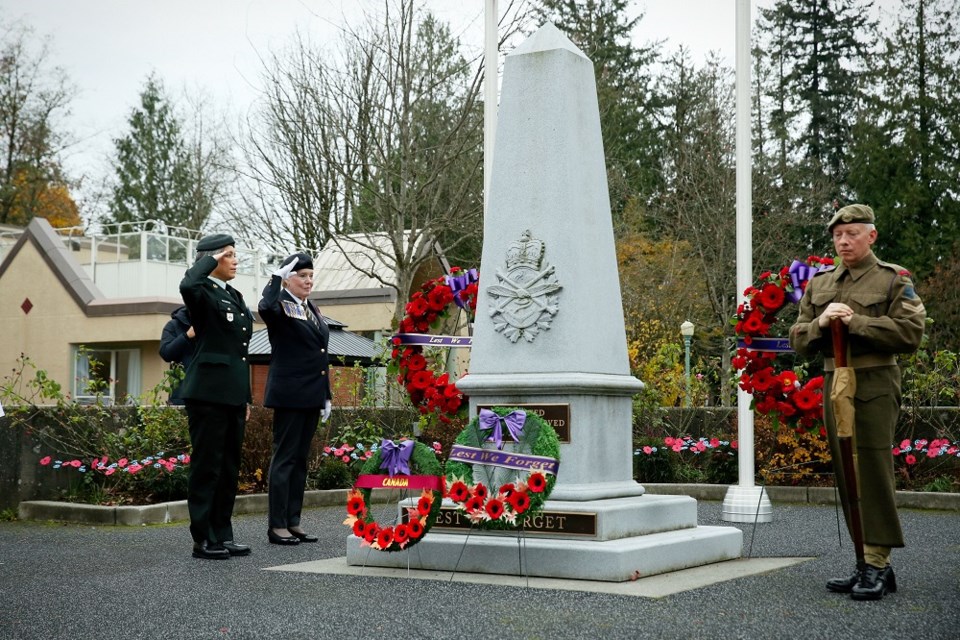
(744, 502)
(490, 66)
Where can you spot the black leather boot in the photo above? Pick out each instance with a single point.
(874, 584)
(844, 585)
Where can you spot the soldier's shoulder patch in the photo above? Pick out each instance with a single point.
(908, 291)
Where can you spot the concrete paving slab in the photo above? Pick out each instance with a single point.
(657, 586)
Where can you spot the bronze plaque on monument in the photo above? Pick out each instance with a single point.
(545, 522)
(556, 415)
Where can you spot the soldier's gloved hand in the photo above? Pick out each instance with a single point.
(284, 271)
(325, 412)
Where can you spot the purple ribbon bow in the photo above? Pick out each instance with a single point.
(459, 283)
(395, 458)
(800, 272)
(514, 421)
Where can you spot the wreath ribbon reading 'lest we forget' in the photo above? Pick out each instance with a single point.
(409, 465)
(777, 392)
(533, 451)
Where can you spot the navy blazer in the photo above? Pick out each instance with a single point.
(299, 375)
(219, 371)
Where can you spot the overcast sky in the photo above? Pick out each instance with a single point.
(108, 47)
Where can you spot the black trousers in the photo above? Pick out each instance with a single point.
(293, 430)
(216, 434)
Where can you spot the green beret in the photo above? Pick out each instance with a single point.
(215, 241)
(852, 213)
(303, 261)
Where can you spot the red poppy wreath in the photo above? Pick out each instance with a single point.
(408, 465)
(534, 457)
(777, 392)
(431, 393)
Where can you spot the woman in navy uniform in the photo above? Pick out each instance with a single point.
(216, 392)
(298, 390)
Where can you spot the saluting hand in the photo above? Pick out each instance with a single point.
(285, 270)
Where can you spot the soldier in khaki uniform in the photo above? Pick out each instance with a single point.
(884, 317)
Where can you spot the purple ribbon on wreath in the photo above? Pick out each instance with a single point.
(800, 272)
(459, 283)
(395, 458)
(514, 422)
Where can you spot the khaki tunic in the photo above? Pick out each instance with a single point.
(889, 319)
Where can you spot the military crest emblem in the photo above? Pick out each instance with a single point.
(525, 298)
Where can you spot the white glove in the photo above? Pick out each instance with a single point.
(284, 271)
(325, 413)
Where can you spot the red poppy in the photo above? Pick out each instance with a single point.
(385, 538)
(480, 491)
(519, 501)
(475, 503)
(495, 508)
(370, 532)
(421, 380)
(771, 297)
(753, 323)
(415, 527)
(424, 504)
(401, 533)
(416, 362)
(507, 489)
(417, 307)
(763, 379)
(765, 405)
(355, 505)
(358, 528)
(537, 482)
(458, 492)
(440, 297)
(806, 399)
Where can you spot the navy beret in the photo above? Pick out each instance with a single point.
(215, 241)
(303, 261)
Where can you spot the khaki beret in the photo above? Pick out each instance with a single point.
(215, 241)
(852, 213)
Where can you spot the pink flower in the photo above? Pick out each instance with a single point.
(714, 442)
(109, 471)
(74, 463)
(345, 458)
(134, 468)
(186, 459)
(933, 453)
(668, 441)
(648, 450)
(677, 446)
(896, 451)
(905, 444)
(45, 460)
(122, 462)
(910, 459)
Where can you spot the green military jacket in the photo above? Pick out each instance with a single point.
(889, 315)
(219, 371)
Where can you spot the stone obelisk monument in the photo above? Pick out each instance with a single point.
(549, 336)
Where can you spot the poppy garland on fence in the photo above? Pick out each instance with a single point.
(410, 465)
(535, 457)
(779, 393)
(431, 393)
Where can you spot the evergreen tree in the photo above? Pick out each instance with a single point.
(627, 94)
(157, 176)
(818, 48)
(904, 159)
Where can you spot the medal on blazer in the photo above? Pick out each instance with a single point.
(293, 310)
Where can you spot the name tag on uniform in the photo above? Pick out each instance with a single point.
(229, 316)
(293, 310)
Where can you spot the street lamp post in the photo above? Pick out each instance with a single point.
(686, 330)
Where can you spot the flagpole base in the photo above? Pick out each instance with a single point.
(746, 504)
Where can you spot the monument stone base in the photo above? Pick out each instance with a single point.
(633, 537)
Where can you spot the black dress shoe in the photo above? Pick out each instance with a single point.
(236, 549)
(304, 537)
(278, 539)
(874, 584)
(210, 551)
(844, 585)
